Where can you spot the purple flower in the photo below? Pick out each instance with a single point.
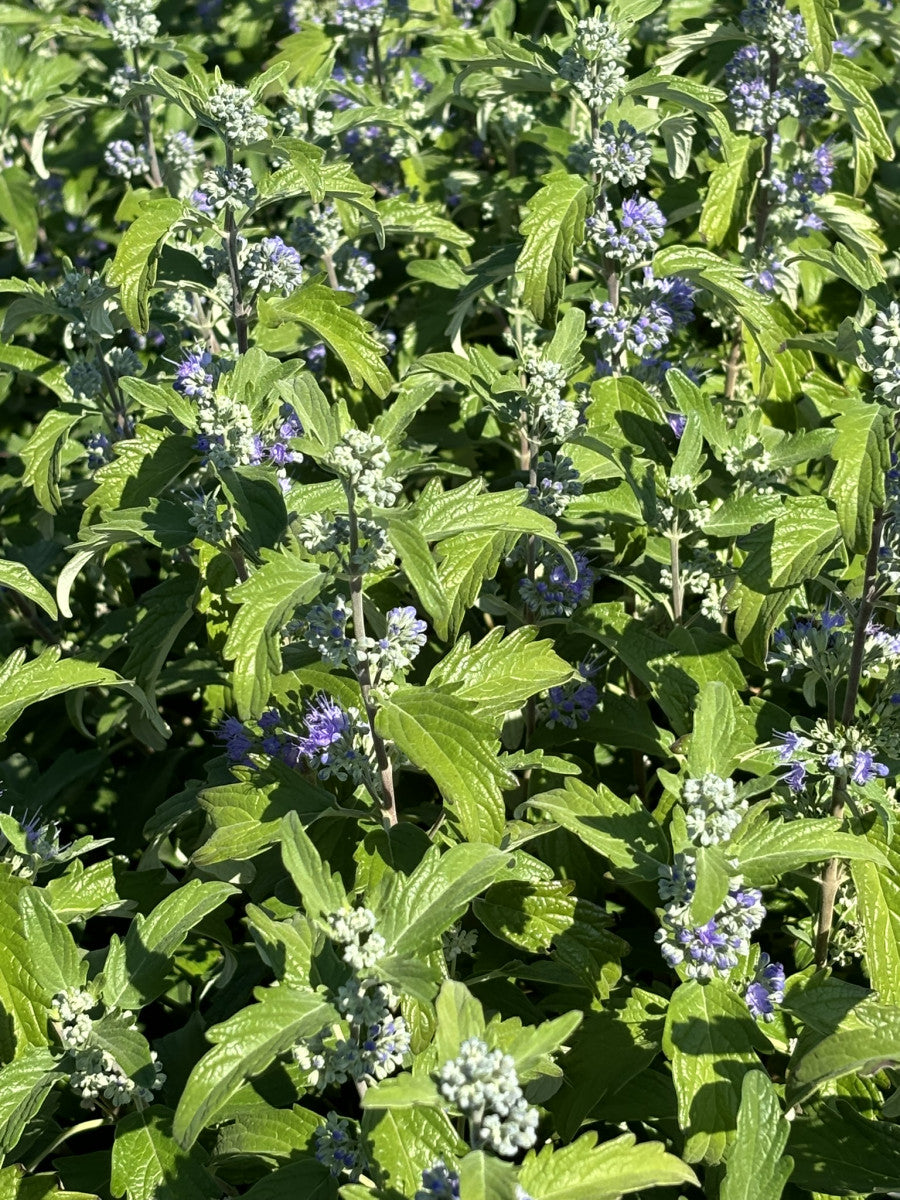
(796, 777)
(766, 989)
(791, 743)
(865, 768)
(237, 739)
(191, 375)
(558, 594)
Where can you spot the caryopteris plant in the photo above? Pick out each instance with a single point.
(450, 552)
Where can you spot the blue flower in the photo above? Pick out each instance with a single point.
(191, 375)
(766, 990)
(865, 768)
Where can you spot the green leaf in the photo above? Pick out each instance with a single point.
(134, 266)
(442, 736)
(757, 1168)
(25, 1084)
(18, 210)
(861, 455)
(837, 1151)
(400, 216)
(622, 831)
(400, 1143)
(266, 600)
(867, 1039)
(148, 1164)
(326, 314)
(709, 1039)
(482, 1177)
(25, 683)
(322, 892)
(16, 575)
(243, 1046)
(305, 1177)
(499, 673)
(528, 915)
(136, 968)
(414, 910)
(54, 959)
(784, 553)
(421, 570)
(553, 226)
(773, 847)
(41, 453)
(586, 1171)
(465, 561)
(724, 208)
(878, 906)
(272, 1134)
(819, 24)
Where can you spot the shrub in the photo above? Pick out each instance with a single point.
(450, 544)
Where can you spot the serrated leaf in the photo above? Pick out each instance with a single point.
(622, 831)
(756, 1167)
(24, 683)
(726, 194)
(16, 575)
(499, 673)
(819, 23)
(442, 736)
(773, 847)
(482, 1177)
(41, 453)
(861, 456)
(18, 211)
(528, 915)
(262, 1132)
(148, 1164)
(326, 314)
(878, 905)
(266, 600)
(401, 1142)
(709, 1039)
(24, 1085)
(586, 1171)
(414, 910)
(136, 968)
(321, 890)
(866, 1039)
(786, 552)
(54, 959)
(243, 1046)
(836, 1150)
(134, 266)
(553, 226)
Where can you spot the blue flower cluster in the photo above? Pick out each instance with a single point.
(554, 592)
(439, 1182)
(631, 236)
(652, 315)
(766, 990)
(829, 752)
(337, 1147)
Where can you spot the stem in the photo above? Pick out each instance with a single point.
(831, 879)
(379, 69)
(143, 112)
(241, 317)
(529, 462)
(387, 799)
(81, 1127)
(732, 367)
(115, 395)
(763, 201)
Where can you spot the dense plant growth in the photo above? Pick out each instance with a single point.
(450, 541)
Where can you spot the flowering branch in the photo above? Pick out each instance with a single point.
(831, 878)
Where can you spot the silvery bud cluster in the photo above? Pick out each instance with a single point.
(362, 460)
(321, 533)
(97, 1076)
(210, 524)
(712, 809)
(543, 408)
(70, 1009)
(179, 151)
(226, 187)
(233, 110)
(884, 341)
(593, 65)
(354, 929)
(482, 1083)
(132, 23)
(227, 426)
(126, 160)
(272, 266)
(617, 155)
